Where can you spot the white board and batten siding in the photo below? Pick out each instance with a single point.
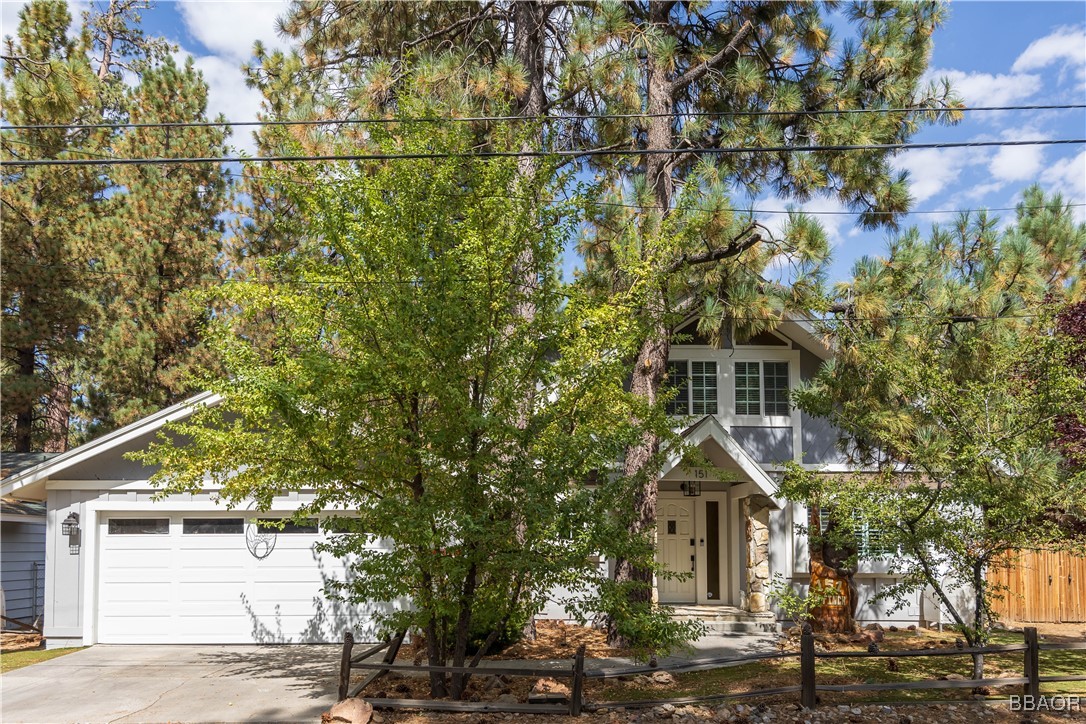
(164, 580)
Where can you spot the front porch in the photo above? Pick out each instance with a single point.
(713, 527)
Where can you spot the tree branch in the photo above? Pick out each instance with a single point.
(741, 243)
(702, 68)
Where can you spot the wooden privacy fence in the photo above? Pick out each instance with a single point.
(808, 687)
(1040, 586)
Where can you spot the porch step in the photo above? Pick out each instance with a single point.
(727, 619)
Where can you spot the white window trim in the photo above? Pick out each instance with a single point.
(725, 369)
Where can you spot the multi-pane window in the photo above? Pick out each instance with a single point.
(703, 388)
(751, 378)
(869, 540)
(696, 387)
(678, 379)
(775, 375)
(748, 393)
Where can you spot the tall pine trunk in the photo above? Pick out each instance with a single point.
(24, 418)
(650, 367)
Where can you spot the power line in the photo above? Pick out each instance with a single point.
(540, 119)
(347, 281)
(579, 153)
(747, 210)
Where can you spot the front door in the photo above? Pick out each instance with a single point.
(675, 538)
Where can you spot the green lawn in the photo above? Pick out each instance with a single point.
(9, 661)
(785, 672)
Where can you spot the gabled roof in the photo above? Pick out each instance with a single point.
(29, 483)
(709, 428)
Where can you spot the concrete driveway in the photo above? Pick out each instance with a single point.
(175, 684)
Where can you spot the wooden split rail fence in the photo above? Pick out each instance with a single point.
(808, 688)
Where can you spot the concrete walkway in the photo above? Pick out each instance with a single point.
(188, 684)
(174, 684)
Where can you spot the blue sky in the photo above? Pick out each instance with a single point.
(996, 53)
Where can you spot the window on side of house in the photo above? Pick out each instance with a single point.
(678, 376)
(213, 526)
(748, 393)
(139, 526)
(869, 540)
(775, 376)
(703, 388)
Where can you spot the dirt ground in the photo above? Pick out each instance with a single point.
(1054, 631)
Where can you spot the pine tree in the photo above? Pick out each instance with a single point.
(956, 394)
(686, 73)
(50, 221)
(159, 248)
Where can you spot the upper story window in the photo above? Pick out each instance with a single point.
(696, 385)
(754, 378)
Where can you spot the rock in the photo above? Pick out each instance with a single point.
(874, 627)
(912, 627)
(351, 711)
(550, 686)
(856, 711)
(658, 677)
(952, 677)
(892, 628)
(507, 699)
(667, 708)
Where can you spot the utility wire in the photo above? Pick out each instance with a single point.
(734, 210)
(351, 282)
(554, 200)
(541, 119)
(581, 153)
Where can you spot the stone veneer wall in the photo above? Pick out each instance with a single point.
(756, 515)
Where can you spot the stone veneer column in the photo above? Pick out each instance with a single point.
(756, 515)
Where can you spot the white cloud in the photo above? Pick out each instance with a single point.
(227, 94)
(985, 89)
(931, 170)
(9, 16)
(228, 29)
(1068, 176)
(1065, 46)
(1017, 163)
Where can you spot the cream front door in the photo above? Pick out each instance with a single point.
(675, 549)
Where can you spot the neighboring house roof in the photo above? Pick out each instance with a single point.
(709, 428)
(14, 511)
(29, 483)
(14, 462)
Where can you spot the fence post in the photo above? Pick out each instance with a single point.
(1032, 664)
(807, 698)
(577, 690)
(345, 666)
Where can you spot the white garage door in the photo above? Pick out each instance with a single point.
(205, 578)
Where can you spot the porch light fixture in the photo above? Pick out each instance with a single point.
(691, 488)
(70, 526)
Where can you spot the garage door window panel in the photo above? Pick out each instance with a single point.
(139, 526)
(213, 526)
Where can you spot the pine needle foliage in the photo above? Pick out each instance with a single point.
(951, 381)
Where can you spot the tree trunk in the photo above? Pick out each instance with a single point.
(58, 412)
(24, 417)
(650, 367)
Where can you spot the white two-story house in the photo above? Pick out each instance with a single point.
(122, 567)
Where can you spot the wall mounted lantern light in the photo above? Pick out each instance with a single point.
(70, 528)
(691, 488)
